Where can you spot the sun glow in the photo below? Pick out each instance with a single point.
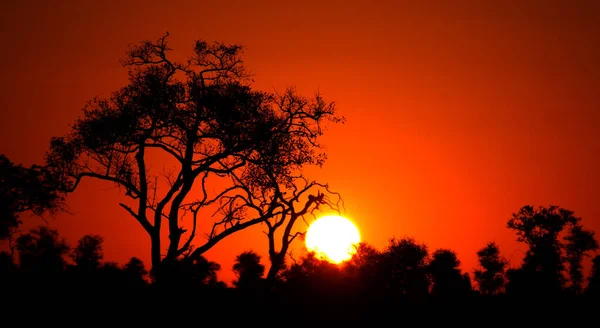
(332, 238)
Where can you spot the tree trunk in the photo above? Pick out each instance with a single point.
(155, 257)
(276, 262)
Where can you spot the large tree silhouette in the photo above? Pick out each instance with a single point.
(25, 189)
(223, 137)
(541, 272)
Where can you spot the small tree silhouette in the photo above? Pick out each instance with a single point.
(42, 257)
(314, 281)
(448, 281)
(25, 189)
(364, 261)
(248, 269)
(579, 243)
(404, 268)
(135, 272)
(492, 278)
(294, 201)
(191, 273)
(88, 253)
(249, 272)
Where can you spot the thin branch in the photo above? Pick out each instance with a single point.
(187, 244)
(296, 235)
(129, 186)
(166, 149)
(144, 222)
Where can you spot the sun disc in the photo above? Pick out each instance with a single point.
(332, 238)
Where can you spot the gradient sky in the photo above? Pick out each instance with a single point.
(458, 112)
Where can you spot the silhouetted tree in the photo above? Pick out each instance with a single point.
(294, 201)
(42, 256)
(205, 116)
(367, 276)
(192, 273)
(579, 242)
(593, 287)
(248, 269)
(88, 253)
(135, 272)
(314, 281)
(448, 281)
(25, 189)
(364, 261)
(492, 278)
(541, 272)
(404, 270)
(249, 272)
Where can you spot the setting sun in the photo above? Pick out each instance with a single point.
(332, 238)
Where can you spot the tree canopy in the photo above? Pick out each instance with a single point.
(23, 189)
(234, 148)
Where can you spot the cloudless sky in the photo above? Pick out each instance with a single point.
(458, 112)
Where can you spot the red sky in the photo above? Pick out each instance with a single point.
(458, 112)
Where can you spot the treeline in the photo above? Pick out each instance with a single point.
(404, 272)
(248, 148)
(42, 260)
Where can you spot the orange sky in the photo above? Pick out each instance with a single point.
(458, 112)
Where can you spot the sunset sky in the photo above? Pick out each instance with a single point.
(458, 112)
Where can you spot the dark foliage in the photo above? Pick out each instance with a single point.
(239, 148)
(25, 189)
(399, 276)
(542, 274)
(492, 278)
(204, 114)
(578, 243)
(593, 288)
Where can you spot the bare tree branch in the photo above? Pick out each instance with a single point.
(253, 145)
(147, 226)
